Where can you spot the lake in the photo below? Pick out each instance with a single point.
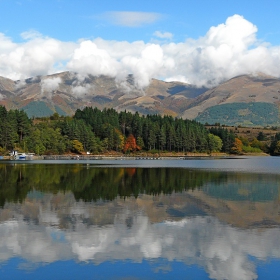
(201, 218)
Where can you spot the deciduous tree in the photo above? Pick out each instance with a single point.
(130, 144)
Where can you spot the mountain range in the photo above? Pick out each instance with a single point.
(248, 100)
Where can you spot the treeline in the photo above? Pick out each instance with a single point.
(129, 132)
(97, 131)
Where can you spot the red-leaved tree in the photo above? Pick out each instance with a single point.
(130, 144)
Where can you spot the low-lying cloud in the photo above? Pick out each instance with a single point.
(226, 50)
(50, 84)
(81, 90)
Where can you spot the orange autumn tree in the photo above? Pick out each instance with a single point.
(130, 144)
(237, 146)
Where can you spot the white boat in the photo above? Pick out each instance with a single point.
(21, 156)
(18, 156)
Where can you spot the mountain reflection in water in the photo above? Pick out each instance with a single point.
(226, 223)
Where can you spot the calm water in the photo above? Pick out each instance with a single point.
(137, 219)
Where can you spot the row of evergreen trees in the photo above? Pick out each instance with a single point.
(97, 131)
(125, 131)
(14, 127)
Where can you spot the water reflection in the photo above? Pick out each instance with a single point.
(216, 220)
(91, 184)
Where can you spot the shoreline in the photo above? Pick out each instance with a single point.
(138, 156)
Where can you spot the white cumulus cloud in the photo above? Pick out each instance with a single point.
(146, 65)
(89, 58)
(36, 56)
(226, 50)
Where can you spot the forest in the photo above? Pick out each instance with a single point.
(96, 131)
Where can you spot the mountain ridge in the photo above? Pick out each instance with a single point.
(240, 89)
(70, 91)
(66, 92)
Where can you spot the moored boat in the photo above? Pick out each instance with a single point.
(15, 155)
(21, 156)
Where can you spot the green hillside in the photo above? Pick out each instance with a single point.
(60, 111)
(41, 109)
(37, 109)
(245, 114)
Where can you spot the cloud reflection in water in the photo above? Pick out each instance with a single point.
(75, 232)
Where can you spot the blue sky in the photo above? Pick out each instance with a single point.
(76, 19)
(117, 33)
